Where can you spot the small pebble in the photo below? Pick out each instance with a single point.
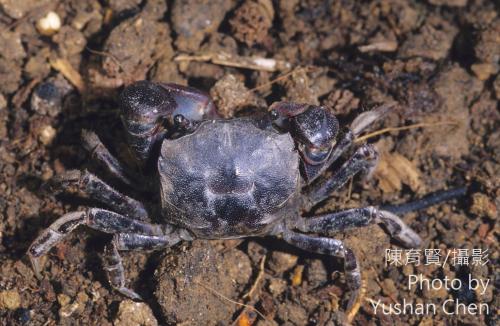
(430, 293)
(133, 313)
(487, 296)
(316, 273)
(297, 275)
(292, 313)
(355, 195)
(68, 310)
(408, 269)
(63, 299)
(47, 134)
(23, 315)
(47, 99)
(281, 261)
(10, 300)
(230, 95)
(483, 230)
(389, 288)
(3, 102)
(483, 71)
(241, 271)
(82, 297)
(49, 24)
(426, 321)
(483, 206)
(277, 286)
(496, 87)
(16, 9)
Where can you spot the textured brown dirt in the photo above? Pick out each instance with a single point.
(439, 60)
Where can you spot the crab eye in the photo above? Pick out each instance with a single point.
(180, 120)
(182, 123)
(274, 115)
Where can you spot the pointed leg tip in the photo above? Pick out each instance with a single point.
(130, 294)
(137, 297)
(36, 265)
(410, 239)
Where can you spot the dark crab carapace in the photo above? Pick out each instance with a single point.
(220, 179)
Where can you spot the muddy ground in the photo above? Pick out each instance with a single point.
(438, 59)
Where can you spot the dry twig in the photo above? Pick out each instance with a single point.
(257, 280)
(389, 129)
(357, 304)
(279, 78)
(231, 300)
(236, 61)
(65, 68)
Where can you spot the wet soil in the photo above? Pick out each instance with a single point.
(438, 59)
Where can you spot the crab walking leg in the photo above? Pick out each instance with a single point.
(100, 153)
(95, 218)
(364, 159)
(113, 266)
(331, 247)
(112, 260)
(358, 217)
(134, 241)
(89, 184)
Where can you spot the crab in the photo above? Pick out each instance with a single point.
(214, 178)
